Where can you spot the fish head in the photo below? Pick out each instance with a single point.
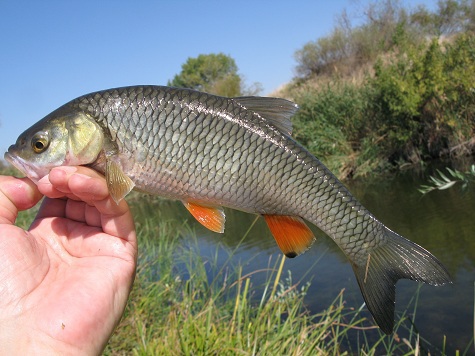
(57, 140)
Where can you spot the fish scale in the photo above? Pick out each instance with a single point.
(211, 151)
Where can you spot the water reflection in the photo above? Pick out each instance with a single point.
(442, 222)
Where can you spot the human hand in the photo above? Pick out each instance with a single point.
(64, 283)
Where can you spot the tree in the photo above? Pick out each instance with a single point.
(212, 73)
(450, 17)
(386, 25)
(348, 47)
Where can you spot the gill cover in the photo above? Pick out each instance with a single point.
(85, 139)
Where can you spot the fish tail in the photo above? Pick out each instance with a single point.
(398, 258)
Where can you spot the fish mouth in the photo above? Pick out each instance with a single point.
(22, 166)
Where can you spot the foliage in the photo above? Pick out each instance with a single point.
(348, 47)
(7, 169)
(416, 98)
(443, 181)
(385, 24)
(212, 73)
(423, 101)
(321, 56)
(451, 17)
(329, 123)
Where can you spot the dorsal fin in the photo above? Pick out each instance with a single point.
(291, 234)
(276, 111)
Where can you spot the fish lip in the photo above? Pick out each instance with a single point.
(21, 165)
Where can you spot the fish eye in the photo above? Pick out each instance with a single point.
(40, 142)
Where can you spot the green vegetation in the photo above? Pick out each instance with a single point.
(397, 90)
(445, 181)
(213, 73)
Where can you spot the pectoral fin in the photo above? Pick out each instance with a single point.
(118, 183)
(291, 233)
(212, 218)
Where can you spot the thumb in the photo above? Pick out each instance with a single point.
(16, 194)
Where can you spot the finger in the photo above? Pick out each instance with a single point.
(89, 188)
(76, 210)
(67, 208)
(92, 216)
(48, 188)
(16, 194)
(82, 212)
(116, 219)
(56, 183)
(85, 184)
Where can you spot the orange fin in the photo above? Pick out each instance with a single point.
(291, 234)
(211, 218)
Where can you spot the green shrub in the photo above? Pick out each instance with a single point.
(330, 122)
(418, 104)
(423, 99)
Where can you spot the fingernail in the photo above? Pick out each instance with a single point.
(67, 170)
(44, 180)
(83, 176)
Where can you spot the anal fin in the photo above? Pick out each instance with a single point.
(212, 218)
(291, 233)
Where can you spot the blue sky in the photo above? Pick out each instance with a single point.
(54, 51)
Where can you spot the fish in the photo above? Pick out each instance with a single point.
(212, 152)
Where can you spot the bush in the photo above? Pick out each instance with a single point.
(423, 100)
(330, 122)
(418, 104)
(386, 25)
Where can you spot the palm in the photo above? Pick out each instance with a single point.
(69, 276)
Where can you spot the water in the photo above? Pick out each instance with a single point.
(443, 222)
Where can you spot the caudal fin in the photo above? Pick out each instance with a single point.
(398, 258)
